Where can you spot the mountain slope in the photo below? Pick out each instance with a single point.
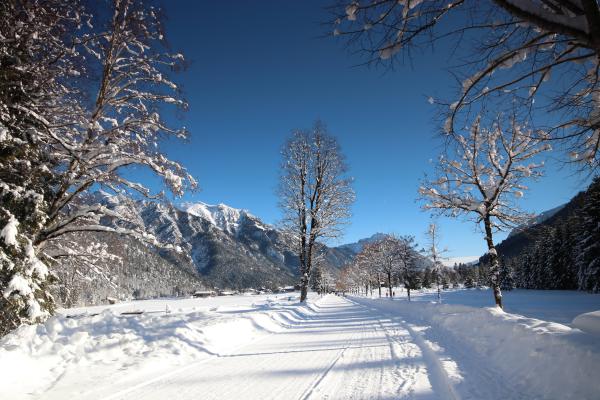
(227, 247)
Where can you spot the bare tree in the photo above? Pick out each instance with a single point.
(481, 177)
(435, 254)
(406, 255)
(367, 261)
(387, 255)
(315, 193)
(511, 48)
(390, 257)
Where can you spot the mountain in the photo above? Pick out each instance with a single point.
(129, 269)
(227, 247)
(560, 252)
(217, 245)
(525, 236)
(538, 219)
(356, 247)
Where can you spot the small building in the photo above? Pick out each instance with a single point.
(203, 293)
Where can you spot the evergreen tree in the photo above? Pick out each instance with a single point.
(588, 259)
(506, 275)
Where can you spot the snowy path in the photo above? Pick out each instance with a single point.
(344, 351)
(253, 347)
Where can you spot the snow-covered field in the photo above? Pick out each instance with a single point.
(271, 347)
(550, 305)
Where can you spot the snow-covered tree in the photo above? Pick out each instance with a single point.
(436, 255)
(80, 261)
(81, 97)
(369, 263)
(481, 176)
(321, 278)
(506, 277)
(387, 256)
(34, 60)
(512, 52)
(391, 258)
(315, 193)
(407, 259)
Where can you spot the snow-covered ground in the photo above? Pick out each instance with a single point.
(271, 347)
(551, 305)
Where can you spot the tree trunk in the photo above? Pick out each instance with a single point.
(379, 284)
(408, 293)
(303, 287)
(389, 279)
(494, 262)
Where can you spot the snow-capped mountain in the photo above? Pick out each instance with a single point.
(227, 247)
(226, 218)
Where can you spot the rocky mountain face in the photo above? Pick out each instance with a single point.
(226, 247)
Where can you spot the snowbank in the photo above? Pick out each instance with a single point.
(547, 359)
(38, 357)
(588, 322)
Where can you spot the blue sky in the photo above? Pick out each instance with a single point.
(261, 69)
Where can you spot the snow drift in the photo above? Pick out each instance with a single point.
(52, 355)
(546, 359)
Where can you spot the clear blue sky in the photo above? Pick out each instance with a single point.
(260, 69)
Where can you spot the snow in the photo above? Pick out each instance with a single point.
(222, 216)
(351, 11)
(103, 342)
(18, 284)
(559, 306)
(532, 357)
(588, 322)
(10, 231)
(271, 347)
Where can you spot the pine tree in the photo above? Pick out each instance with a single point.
(588, 259)
(506, 275)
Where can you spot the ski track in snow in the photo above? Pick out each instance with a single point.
(344, 351)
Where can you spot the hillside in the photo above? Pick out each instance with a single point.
(560, 252)
(219, 245)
